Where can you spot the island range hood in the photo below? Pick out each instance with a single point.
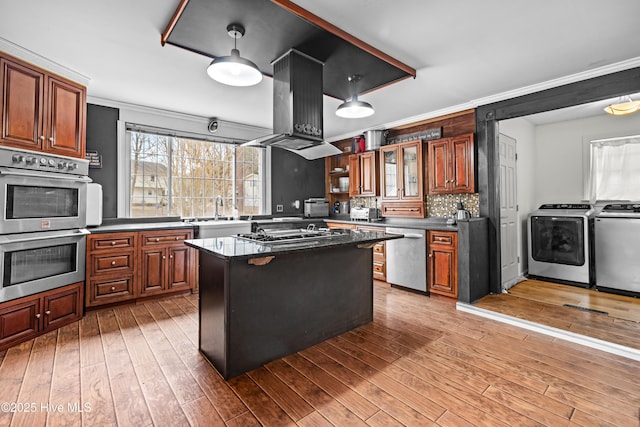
(297, 108)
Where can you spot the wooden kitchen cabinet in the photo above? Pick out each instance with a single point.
(379, 255)
(363, 174)
(110, 268)
(442, 263)
(401, 180)
(451, 165)
(337, 167)
(166, 264)
(41, 111)
(122, 267)
(33, 315)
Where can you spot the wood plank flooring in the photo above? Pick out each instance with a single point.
(543, 303)
(420, 362)
(618, 306)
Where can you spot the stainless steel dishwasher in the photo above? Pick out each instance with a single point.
(407, 258)
(617, 236)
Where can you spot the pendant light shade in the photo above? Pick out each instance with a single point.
(353, 108)
(234, 70)
(625, 106)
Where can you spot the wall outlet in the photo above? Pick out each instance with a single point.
(279, 208)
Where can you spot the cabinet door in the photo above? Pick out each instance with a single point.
(462, 165)
(62, 307)
(19, 321)
(390, 186)
(354, 175)
(66, 122)
(152, 276)
(438, 159)
(368, 173)
(22, 105)
(411, 171)
(179, 268)
(443, 263)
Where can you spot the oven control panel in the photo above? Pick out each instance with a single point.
(11, 157)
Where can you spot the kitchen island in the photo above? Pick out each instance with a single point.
(260, 301)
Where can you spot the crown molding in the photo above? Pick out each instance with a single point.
(42, 62)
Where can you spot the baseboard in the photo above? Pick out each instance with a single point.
(595, 343)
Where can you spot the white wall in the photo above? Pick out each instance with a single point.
(561, 154)
(523, 132)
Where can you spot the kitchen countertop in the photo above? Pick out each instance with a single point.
(124, 226)
(233, 247)
(420, 224)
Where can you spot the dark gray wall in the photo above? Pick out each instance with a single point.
(102, 136)
(294, 178)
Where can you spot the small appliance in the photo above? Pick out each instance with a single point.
(316, 207)
(363, 214)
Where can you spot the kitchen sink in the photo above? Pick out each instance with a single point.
(206, 229)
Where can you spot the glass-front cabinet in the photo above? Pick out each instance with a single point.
(402, 171)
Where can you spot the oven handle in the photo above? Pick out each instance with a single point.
(47, 175)
(46, 236)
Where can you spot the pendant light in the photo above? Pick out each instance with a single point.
(624, 106)
(234, 70)
(353, 108)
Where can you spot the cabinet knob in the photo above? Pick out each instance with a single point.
(164, 257)
(157, 239)
(113, 263)
(177, 237)
(48, 312)
(50, 139)
(170, 256)
(113, 243)
(37, 315)
(113, 288)
(430, 255)
(41, 137)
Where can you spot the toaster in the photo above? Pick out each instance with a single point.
(363, 214)
(316, 207)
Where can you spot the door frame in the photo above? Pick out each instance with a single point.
(487, 118)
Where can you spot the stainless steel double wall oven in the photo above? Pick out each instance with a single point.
(42, 222)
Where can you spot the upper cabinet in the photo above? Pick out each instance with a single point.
(41, 111)
(451, 165)
(401, 179)
(363, 174)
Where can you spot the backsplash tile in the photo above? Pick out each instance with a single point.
(445, 205)
(438, 205)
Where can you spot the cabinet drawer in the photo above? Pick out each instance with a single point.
(442, 238)
(378, 248)
(403, 209)
(106, 291)
(379, 267)
(165, 237)
(103, 264)
(112, 241)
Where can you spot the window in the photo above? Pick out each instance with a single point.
(178, 176)
(615, 169)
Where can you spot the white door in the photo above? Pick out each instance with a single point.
(508, 211)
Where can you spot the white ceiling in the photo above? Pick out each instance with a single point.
(466, 52)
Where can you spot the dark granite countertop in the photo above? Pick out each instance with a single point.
(120, 225)
(233, 247)
(420, 224)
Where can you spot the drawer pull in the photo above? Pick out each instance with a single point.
(113, 243)
(164, 257)
(37, 315)
(157, 239)
(48, 312)
(177, 237)
(113, 288)
(113, 263)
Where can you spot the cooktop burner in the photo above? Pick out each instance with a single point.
(291, 236)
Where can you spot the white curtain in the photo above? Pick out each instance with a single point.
(615, 169)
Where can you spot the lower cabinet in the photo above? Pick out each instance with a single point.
(125, 266)
(379, 255)
(442, 263)
(33, 315)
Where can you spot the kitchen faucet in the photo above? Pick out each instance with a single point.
(215, 215)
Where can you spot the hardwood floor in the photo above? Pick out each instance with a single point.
(420, 362)
(615, 318)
